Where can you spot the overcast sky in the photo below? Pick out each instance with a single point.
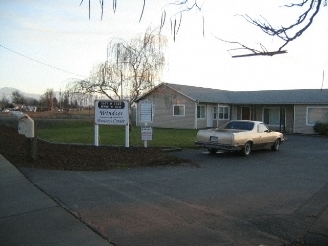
(45, 44)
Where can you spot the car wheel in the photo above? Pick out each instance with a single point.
(276, 145)
(212, 150)
(246, 151)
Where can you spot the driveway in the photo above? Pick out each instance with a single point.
(269, 198)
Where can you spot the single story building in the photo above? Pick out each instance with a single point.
(190, 107)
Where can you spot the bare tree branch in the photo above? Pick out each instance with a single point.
(176, 19)
(303, 22)
(253, 52)
(287, 33)
(143, 8)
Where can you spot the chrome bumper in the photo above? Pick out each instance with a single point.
(214, 145)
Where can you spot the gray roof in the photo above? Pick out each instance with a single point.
(282, 97)
(201, 94)
(208, 95)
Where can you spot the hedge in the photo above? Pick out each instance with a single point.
(321, 128)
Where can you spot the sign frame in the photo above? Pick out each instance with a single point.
(146, 133)
(111, 112)
(146, 112)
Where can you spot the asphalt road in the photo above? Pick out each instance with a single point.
(269, 198)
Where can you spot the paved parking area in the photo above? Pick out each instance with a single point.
(269, 198)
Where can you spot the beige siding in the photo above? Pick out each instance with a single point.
(290, 118)
(300, 119)
(164, 99)
(258, 113)
(201, 123)
(300, 125)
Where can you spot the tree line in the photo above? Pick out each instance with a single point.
(49, 100)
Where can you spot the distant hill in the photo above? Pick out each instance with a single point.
(7, 91)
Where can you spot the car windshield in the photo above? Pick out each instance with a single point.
(240, 125)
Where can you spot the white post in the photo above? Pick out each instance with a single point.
(96, 135)
(145, 141)
(127, 136)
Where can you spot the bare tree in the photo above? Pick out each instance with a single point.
(17, 97)
(31, 101)
(139, 62)
(4, 102)
(132, 67)
(47, 99)
(64, 99)
(105, 79)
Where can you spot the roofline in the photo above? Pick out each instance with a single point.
(172, 86)
(192, 99)
(282, 103)
(159, 85)
(149, 92)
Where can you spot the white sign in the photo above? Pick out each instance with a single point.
(146, 133)
(111, 112)
(146, 112)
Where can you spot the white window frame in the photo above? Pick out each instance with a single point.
(307, 114)
(204, 107)
(179, 105)
(223, 113)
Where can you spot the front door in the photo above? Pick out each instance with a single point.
(210, 116)
(245, 113)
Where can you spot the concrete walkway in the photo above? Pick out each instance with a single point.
(30, 217)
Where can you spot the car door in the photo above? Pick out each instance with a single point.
(266, 138)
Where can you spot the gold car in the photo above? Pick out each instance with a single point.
(239, 135)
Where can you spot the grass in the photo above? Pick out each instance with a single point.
(77, 131)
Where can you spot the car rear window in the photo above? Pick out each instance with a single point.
(240, 125)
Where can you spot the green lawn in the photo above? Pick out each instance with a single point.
(77, 131)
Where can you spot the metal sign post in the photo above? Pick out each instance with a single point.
(112, 112)
(96, 135)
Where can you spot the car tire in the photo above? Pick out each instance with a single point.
(212, 150)
(246, 151)
(276, 145)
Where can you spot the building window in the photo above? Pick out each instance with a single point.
(224, 113)
(271, 116)
(215, 114)
(178, 110)
(316, 114)
(201, 112)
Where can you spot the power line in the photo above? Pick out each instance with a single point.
(29, 58)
